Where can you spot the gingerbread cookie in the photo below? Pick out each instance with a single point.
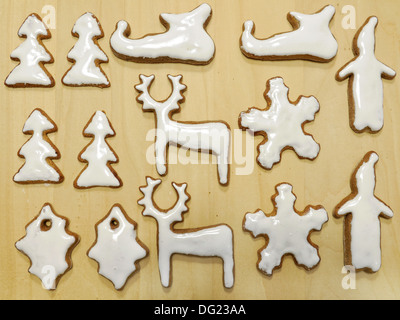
(365, 91)
(185, 41)
(212, 137)
(282, 124)
(39, 152)
(214, 241)
(87, 55)
(48, 244)
(98, 155)
(117, 248)
(32, 55)
(311, 39)
(286, 231)
(362, 230)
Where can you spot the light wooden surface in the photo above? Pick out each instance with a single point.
(219, 91)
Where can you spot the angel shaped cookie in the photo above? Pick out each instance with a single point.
(362, 229)
(365, 92)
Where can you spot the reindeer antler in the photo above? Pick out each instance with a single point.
(145, 97)
(149, 103)
(178, 89)
(150, 209)
(147, 201)
(180, 207)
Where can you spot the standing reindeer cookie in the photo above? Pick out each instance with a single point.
(362, 229)
(365, 92)
(214, 241)
(213, 137)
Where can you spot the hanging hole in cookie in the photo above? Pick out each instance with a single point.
(114, 224)
(46, 225)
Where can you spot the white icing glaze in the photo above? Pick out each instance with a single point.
(367, 88)
(37, 151)
(31, 55)
(365, 210)
(287, 231)
(216, 241)
(205, 136)
(313, 38)
(282, 124)
(98, 155)
(116, 248)
(185, 39)
(47, 250)
(87, 54)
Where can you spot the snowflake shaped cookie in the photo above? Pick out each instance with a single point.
(117, 248)
(287, 231)
(282, 124)
(48, 244)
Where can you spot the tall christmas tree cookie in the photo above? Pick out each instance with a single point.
(362, 229)
(86, 55)
(32, 55)
(98, 155)
(39, 152)
(117, 249)
(48, 244)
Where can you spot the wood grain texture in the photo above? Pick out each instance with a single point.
(231, 83)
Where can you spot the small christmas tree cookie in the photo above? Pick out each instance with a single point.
(38, 152)
(86, 55)
(48, 244)
(32, 55)
(287, 231)
(98, 155)
(362, 229)
(117, 249)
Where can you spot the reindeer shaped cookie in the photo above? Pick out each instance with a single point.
(214, 241)
(213, 137)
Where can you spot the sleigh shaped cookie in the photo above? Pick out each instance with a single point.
(311, 39)
(185, 40)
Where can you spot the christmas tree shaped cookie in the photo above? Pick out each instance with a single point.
(32, 55)
(39, 152)
(98, 155)
(365, 92)
(282, 124)
(287, 231)
(362, 229)
(117, 248)
(48, 244)
(86, 55)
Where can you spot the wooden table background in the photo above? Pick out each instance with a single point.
(219, 91)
